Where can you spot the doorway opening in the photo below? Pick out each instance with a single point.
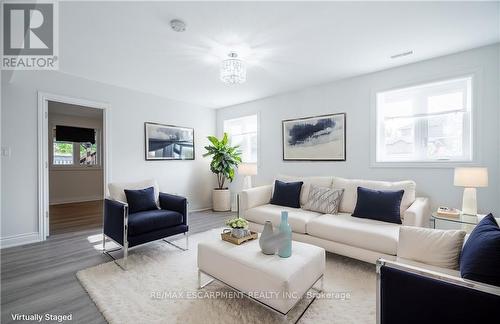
(75, 167)
(72, 164)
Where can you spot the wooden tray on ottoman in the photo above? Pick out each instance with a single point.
(229, 238)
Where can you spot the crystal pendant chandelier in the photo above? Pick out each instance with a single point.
(233, 70)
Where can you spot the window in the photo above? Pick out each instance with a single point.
(75, 154)
(425, 123)
(88, 154)
(63, 153)
(243, 132)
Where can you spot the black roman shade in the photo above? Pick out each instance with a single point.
(75, 134)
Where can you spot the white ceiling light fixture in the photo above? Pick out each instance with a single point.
(233, 70)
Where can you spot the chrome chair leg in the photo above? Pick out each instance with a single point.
(125, 256)
(121, 263)
(123, 266)
(177, 246)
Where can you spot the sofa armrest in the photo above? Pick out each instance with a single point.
(470, 300)
(418, 214)
(115, 219)
(174, 203)
(254, 197)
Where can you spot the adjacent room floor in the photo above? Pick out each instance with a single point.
(40, 277)
(75, 217)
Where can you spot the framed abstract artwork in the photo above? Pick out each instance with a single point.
(167, 142)
(318, 138)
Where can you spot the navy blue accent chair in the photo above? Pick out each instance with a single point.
(133, 229)
(414, 295)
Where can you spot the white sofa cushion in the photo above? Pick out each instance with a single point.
(116, 189)
(297, 218)
(350, 187)
(425, 266)
(304, 193)
(440, 248)
(359, 232)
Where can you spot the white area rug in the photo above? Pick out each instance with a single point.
(158, 268)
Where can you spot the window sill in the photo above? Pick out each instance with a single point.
(426, 164)
(75, 168)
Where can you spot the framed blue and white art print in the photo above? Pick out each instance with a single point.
(318, 138)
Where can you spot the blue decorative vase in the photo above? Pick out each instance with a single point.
(285, 230)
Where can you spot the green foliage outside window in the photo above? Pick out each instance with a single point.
(63, 148)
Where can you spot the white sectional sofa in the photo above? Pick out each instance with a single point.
(358, 238)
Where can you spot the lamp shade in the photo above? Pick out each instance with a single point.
(471, 177)
(247, 169)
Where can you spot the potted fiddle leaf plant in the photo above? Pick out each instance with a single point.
(225, 159)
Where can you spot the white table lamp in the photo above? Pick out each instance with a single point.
(247, 170)
(470, 179)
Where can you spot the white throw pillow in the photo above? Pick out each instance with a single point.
(116, 190)
(324, 200)
(440, 248)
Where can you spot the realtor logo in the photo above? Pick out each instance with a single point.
(29, 36)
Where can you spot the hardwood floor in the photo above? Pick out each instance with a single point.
(74, 217)
(40, 278)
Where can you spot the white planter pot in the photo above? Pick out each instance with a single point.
(221, 200)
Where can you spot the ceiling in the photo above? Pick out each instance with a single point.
(287, 45)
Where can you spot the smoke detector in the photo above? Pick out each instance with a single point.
(177, 25)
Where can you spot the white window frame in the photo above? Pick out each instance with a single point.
(257, 114)
(475, 115)
(76, 155)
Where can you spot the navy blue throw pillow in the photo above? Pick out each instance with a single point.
(287, 194)
(381, 205)
(480, 257)
(141, 200)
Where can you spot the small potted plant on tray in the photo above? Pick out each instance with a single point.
(239, 227)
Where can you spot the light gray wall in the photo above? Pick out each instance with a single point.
(74, 184)
(353, 96)
(129, 110)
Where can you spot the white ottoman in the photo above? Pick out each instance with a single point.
(276, 282)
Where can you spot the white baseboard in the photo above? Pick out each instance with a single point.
(19, 239)
(75, 200)
(199, 209)
(204, 209)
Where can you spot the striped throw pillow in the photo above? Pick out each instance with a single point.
(324, 200)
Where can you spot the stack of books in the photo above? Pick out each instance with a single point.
(448, 212)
